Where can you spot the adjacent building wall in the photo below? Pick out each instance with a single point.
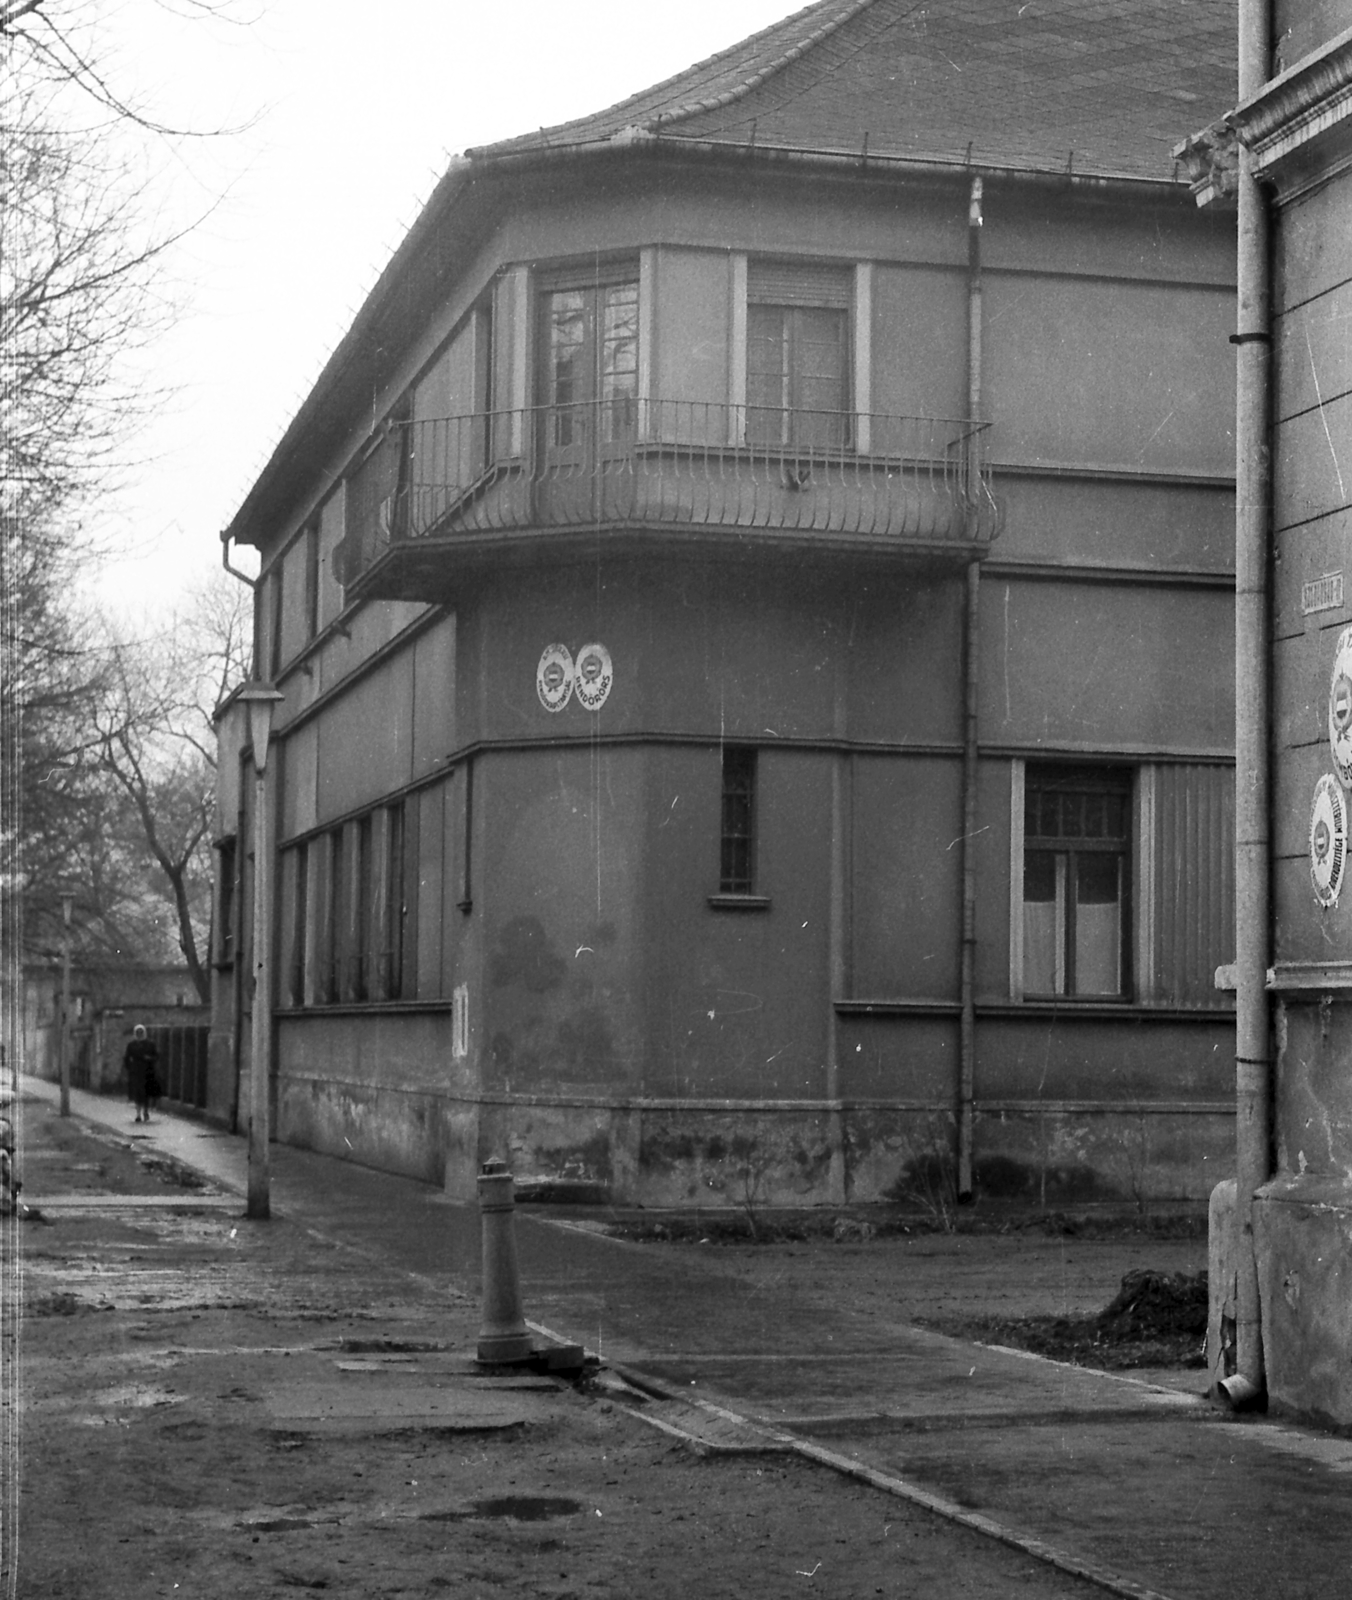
(1303, 1218)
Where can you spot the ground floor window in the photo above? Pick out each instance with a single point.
(1077, 881)
(737, 856)
(349, 909)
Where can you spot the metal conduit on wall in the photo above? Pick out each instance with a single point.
(970, 746)
(1253, 1046)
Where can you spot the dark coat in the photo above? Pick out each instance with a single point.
(139, 1063)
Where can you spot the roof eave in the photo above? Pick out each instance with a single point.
(857, 161)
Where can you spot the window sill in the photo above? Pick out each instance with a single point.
(1070, 1007)
(364, 1008)
(739, 902)
(1067, 1010)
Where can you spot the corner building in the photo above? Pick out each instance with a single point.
(758, 679)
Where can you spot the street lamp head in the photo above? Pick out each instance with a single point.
(259, 698)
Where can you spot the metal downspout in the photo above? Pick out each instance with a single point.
(1253, 1038)
(971, 668)
(237, 973)
(225, 562)
(237, 944)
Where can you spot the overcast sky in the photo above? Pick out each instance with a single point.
(348, 114)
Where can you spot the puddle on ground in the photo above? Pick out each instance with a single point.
(113, 1404)
(137, 1396)
(526, 1507)
(294, 1518)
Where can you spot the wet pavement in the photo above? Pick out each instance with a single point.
(1142, 1487)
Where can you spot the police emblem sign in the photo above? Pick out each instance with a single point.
(1340, 709)
(1328, 840)
(594, 676)
(554, 677)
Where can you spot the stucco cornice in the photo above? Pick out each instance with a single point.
(1291, 111)
(1298, 129)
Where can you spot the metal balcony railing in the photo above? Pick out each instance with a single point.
(675, 464)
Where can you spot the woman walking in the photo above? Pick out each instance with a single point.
(139, 1062)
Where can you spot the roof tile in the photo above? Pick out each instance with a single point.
(1100, 86)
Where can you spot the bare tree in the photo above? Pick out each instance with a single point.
(80, 240)
(158, 749)
(59, 42)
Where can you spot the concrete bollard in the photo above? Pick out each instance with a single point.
(502, 1336)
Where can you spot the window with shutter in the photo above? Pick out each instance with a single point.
(798, 355)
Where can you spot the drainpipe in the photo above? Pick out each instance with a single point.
(971, 667)
(237, 970)
(1253, 1038)
(225, 561)
(237, 950)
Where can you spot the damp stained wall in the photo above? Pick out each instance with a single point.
(574, 990)
(1303, 1220)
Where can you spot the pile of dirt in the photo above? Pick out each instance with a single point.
(1156, 1305)
(1156, 1319)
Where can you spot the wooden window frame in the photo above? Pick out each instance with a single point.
(791, 292)
(224, 929)
(739, 768)
(596, 418)
(1043, 786)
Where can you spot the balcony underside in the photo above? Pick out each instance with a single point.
(434, 569)
(928, 502)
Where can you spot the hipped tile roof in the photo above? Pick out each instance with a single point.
(1095, 87)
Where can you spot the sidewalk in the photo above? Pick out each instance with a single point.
(1142, 1488)
(211, 1407)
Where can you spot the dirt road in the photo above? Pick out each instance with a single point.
(212, 1408)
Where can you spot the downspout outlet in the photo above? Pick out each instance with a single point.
(1242, 1394)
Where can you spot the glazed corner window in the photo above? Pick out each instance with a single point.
(736, 873)
(798, 355)
(1076, 881)
(590, 355)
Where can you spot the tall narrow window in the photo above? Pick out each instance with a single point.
(798, 355)
(226, 875)
(299, 925)
(396, 909)
(377, 495)
(1076, 881)
(737, 874)
(329, 956)
(590, 378)
(275, 618)
(311, 538)
(360, 944)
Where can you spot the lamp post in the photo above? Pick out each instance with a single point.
(63, 1039)
(259, 699)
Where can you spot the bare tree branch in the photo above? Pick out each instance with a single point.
(102, 792)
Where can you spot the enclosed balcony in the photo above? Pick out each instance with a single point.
(433, 493)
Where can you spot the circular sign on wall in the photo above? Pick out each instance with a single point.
(1328, 840)
(594, 676)
(554, 677)
(1340, 708)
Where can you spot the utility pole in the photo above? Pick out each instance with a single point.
(260, 698)
(63, 1038)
